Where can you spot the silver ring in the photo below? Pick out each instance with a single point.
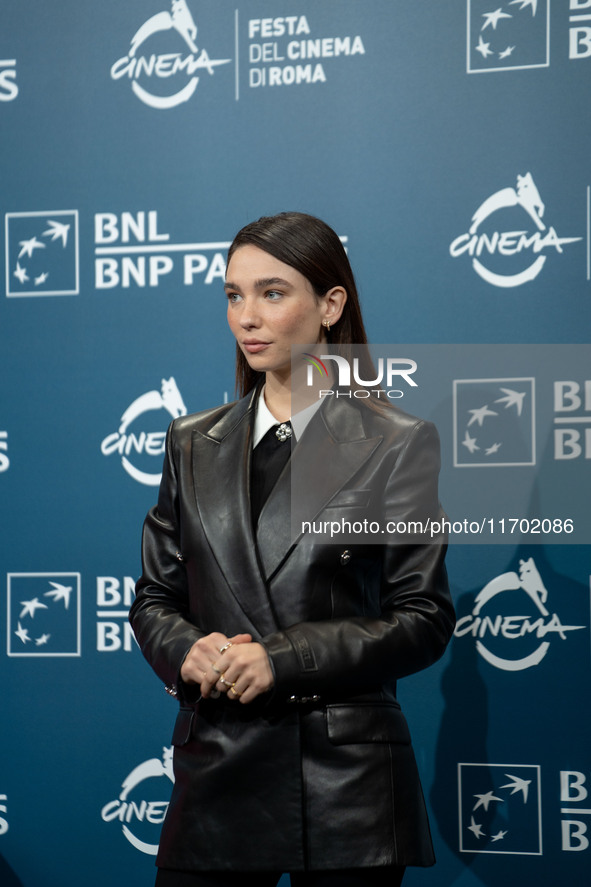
(225, 647)
(224, 681)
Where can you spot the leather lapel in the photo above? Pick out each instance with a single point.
(332, 449)
(221, 472)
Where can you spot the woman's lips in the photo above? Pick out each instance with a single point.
(254, 346)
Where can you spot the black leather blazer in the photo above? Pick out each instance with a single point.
(320, 773)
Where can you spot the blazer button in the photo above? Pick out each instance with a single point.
(345, 557)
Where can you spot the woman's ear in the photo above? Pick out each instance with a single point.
(334, 301)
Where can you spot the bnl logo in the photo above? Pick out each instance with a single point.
(494, 422)
(43, 614)
(516, 35)
(42, 253)
(500, 809)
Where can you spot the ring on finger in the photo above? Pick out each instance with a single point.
(226, 647)
(224, 681)
(215, 668)
(236, 692)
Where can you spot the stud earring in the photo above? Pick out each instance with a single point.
(326, 323)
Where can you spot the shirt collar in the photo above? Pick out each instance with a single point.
(265, 419)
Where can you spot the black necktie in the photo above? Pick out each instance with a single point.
(269, 457)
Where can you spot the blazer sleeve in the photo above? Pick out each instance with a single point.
(159, 614)
(361, 654)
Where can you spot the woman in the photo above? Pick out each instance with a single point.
(291, 752)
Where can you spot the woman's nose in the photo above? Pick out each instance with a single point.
(249, 316)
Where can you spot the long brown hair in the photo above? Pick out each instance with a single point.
(311, 247)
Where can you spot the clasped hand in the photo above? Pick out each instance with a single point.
(242, 670)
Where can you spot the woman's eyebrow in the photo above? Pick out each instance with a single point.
(271, 281)
(261, 283)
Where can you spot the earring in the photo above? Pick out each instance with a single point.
(326, 323)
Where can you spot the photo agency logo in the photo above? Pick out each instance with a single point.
(162, 72)
(505, 251)
(346, 376)
(494, 422)
(514, 36)
(500, 809)
(42, 253)
(141, 436)
(43, 614)
(502, 635)
(139, 814)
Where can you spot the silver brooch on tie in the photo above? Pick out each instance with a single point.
(283, 431)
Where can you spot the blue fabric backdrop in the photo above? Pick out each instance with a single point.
(449, 143)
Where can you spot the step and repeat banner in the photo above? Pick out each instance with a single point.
(449, 146)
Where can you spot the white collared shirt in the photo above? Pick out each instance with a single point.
(265, 419)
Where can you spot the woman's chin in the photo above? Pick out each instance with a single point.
(263, 363)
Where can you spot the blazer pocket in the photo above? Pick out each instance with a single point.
(350, 499)
(183, 726)
(368, 722)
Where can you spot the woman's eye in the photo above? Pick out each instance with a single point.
(273, 295)
(233, 297)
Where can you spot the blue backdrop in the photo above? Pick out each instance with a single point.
(449, 143)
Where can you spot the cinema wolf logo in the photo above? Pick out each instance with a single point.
(142, 802)
(140, 447)
(506, 638)
(153, 73)
(505, 250)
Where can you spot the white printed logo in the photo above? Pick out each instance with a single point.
(42, 253)
(500, 809)
(113, 599)
(43, 614)
(494, 422)
(288, 52)
(572, 412)
(3, 809)
(579, 34)
(573, 799)
(145, 445)
(516, 35)
(145, 72)
(8, 84)
(500, 631)
(4, 459)
(132, 251)
(509, 257)
(131, 807)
